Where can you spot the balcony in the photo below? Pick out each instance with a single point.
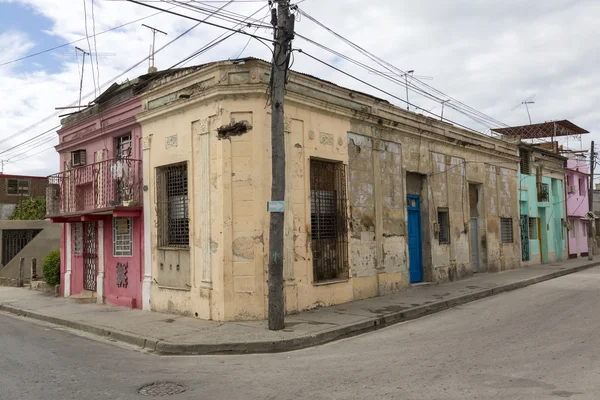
(543, 192)
(98, 188)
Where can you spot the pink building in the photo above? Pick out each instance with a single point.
(97, 197)
(577, 188)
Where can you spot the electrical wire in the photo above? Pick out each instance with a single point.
(464, 109)
(79, 40)
(381, 90)
(105, 84)
(34, 154)
(228, 16)
(198, 20)
(29, 140)
(217, 41)
(86, 96)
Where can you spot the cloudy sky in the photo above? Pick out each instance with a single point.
(489, 54)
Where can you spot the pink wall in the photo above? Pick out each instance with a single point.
(93, 134)
(577, 187)
(131, 296)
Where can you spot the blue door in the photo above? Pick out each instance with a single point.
(415, 256)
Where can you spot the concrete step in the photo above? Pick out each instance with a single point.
(85, 297)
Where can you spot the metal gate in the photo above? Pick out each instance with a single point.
(329, 232)
(474, 244)
(524, 237)
(14, 240)
(90, 256)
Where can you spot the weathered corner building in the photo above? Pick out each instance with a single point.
(376, 197)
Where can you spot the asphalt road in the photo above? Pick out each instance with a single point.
(540, 342)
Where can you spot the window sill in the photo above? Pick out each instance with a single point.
(187, 248)
(180, 289)
(331, 282)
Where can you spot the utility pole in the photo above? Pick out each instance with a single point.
(154, 30)
(283, 22)
(591, 202)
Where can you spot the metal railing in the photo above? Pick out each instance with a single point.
(105, 184)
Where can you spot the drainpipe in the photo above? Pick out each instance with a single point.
(567, 215)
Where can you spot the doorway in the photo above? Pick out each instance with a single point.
(90, 256)
(543, 234)
(415, 252)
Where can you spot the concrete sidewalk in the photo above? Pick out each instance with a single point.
(171, 334)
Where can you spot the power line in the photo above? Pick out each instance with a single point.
(381, 90)
(216, 41)
(86, 96)
(465, 109)
(31, 155)
(211, 44)
(79, 40)
(198, 20)
(228, 16)
(29, 140)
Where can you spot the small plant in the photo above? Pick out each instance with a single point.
(51, 268)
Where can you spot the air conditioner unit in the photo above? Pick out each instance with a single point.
(571, 189)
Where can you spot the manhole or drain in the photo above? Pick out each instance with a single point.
(161, 389)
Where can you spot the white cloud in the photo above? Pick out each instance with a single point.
(490, 54)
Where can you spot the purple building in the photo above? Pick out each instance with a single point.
(577, 200)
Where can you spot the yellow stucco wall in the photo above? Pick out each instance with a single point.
(230, 182)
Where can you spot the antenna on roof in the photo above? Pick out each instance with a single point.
(152, 68)
(529, 100)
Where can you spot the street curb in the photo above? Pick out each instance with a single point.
(283, 345)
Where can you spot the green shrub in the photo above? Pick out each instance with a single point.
(51, 268)
(30, 209)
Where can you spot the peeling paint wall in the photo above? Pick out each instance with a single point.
(377, 143)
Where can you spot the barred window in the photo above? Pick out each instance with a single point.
(533, 228)
(506, 230)
(329, 234)
(77, 237)
(122, 236)
(172, 205)
(443, 226)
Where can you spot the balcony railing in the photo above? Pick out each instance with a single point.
(543, 192)
(102, 185)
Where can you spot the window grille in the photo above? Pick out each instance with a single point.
(525, 162)
(172, 205)
(584, 225)
(572, 228)
(443, 226)
(122, 236)
(329, 233)
(533, 228)
(506, 230)
(17, 186)
(78, 238)
(543, 192)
